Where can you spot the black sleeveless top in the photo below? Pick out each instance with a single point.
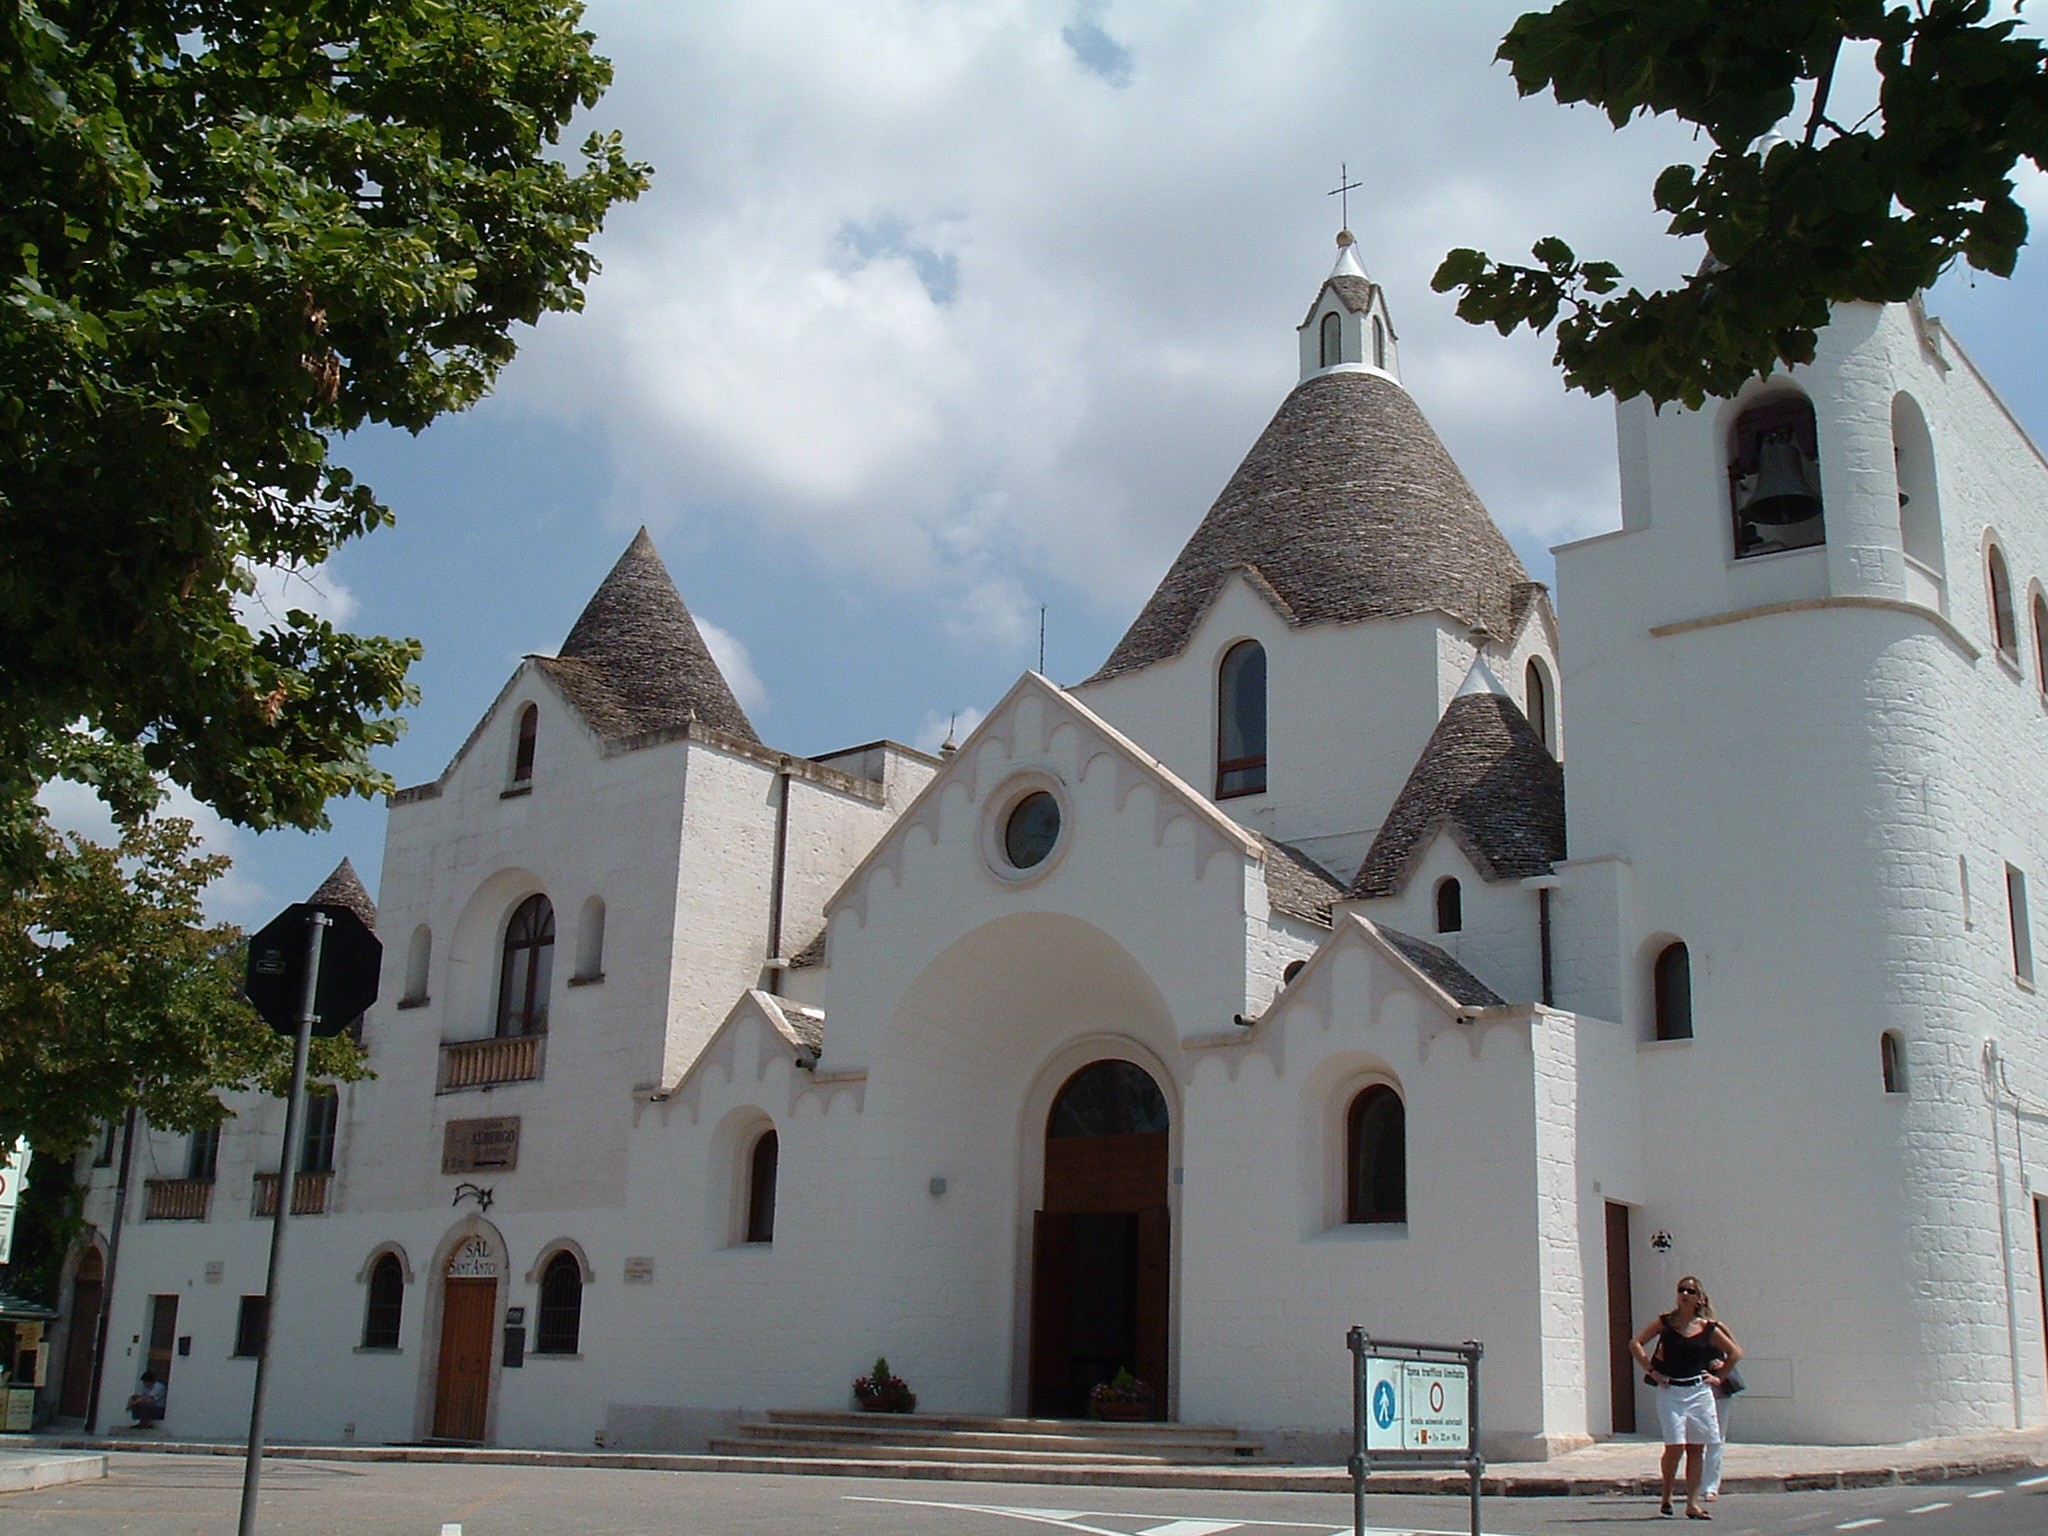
(1681, 1357)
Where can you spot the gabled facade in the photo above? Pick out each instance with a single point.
(1265, 983)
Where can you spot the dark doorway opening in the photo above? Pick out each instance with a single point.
(81, 1334)
(1621, 1326)
(1101, 1242)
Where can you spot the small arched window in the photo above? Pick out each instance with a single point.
(1376, 1157)
(559, 1328)
(385, 1309)
(2041, 643)
(528, 966)
(419, 955)
(1891, 1051)
(529, 734)
(1774, 477)
(1332, 339)
(1450, 907)
(1241, 721)
(1537, 693)
(2004, 631)
(761, 1188)
(1379, 343)
(590, 941)
(1292, 969)
(1671, 985)
(1919, 503)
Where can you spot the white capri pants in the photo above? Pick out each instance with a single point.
(1686, 1414)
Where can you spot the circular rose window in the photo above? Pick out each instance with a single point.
(1033, 827)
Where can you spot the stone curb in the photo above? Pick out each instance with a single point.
(21, 1471)
(1271, 1479)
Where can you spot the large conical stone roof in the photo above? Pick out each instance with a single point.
(635, 662)
(1348, 507)
(344, 888)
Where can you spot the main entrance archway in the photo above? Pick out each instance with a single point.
(469, 1308)
(1101, 1241)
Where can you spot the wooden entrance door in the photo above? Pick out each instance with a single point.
(462, 1388)
(82, 1336)
(1102, 1243)
(163, 1336)
(1621, 1324)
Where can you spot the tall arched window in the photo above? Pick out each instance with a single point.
(529, 734)
(419, 955)
(2041, 643)
(1774, 477)
(386, 1307)
(1919, 504)
(1241, 721)
(1332, 339)
(1891, 1052)
(590, 941)
(2004, 631)
(1537, 693)
(559, 1327)
(529, 962)
(761, 1188)
(1379, 343)
(1376, 1157)
(1671, 984)
(1450, 907)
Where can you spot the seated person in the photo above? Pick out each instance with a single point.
(147, 1405)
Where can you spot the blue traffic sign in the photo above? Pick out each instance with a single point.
(1383, 1405)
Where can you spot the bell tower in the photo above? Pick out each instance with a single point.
(1347, 329)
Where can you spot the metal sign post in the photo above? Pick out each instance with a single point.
(1414, 1405)
(287, 1168)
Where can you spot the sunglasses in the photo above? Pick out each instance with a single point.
(1688, 1290)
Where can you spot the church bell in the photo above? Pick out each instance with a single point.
(1786, 488)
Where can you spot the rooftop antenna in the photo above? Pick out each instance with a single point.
(1342, 192)
(1041, 639)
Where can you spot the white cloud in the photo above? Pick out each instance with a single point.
(730, 652)
(237, 897)
(280, 589)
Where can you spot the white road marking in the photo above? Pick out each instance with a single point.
(1171, 1525)
(1987, 1493)
(1857, 1525)
(2031, 1482)
(450, 1528)
(1928, 1509)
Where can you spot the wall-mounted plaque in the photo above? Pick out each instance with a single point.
(489, 1145)
(216, 1271)
(472, 1260)
(640, 1270)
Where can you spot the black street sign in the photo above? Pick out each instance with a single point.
(350, 958)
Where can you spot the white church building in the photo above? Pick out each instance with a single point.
(1360, 944)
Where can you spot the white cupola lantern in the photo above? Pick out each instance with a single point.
(1347, 328)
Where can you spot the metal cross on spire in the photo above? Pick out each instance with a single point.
(1343, 190)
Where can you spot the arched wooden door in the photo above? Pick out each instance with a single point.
(1100, 1275)
(469, 1314)
(82, 1334)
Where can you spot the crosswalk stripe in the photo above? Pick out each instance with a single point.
(1857, 1525)
(1987, 1493)
(2032, 1482)
(1928, 1509)
(1190, 1528)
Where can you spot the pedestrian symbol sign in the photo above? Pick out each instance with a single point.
(1418, 1405)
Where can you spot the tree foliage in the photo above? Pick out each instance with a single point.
(1872, 210)
(234, 231)
(115, 990)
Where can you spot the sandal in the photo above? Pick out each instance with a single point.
(1664, 1508)
(1697, 1514)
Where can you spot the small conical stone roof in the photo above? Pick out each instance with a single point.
(344, 888)
(635, 662)
(1348, 507)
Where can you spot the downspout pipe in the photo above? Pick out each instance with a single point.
(1995, 1088)
(777, 872)
(99, 1344)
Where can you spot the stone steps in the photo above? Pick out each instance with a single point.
(988, 1443)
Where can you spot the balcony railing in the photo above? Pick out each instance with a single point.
(309, 1194)
(483, 1063)
(176, 1199)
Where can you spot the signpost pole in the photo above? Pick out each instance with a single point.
(1477, 1464)
(287, 1164)
(1356, 1340)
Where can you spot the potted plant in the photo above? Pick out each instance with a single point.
(883, 1393)
(1123, 1397)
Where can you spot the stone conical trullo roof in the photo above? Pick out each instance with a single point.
(1348, 507)
(635, 662)
(344, 888)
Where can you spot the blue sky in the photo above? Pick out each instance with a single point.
(937, 313)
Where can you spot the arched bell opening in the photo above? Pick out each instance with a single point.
(1101, 1291)
(1774, 479)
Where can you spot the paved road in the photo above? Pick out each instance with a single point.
(152, 1495)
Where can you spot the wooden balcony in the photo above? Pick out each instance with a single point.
(309, 1194)
(176, 1199)
(485, 1063)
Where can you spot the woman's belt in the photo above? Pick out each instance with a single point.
(1683, 1381)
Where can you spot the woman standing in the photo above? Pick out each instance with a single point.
(1693, 1352)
